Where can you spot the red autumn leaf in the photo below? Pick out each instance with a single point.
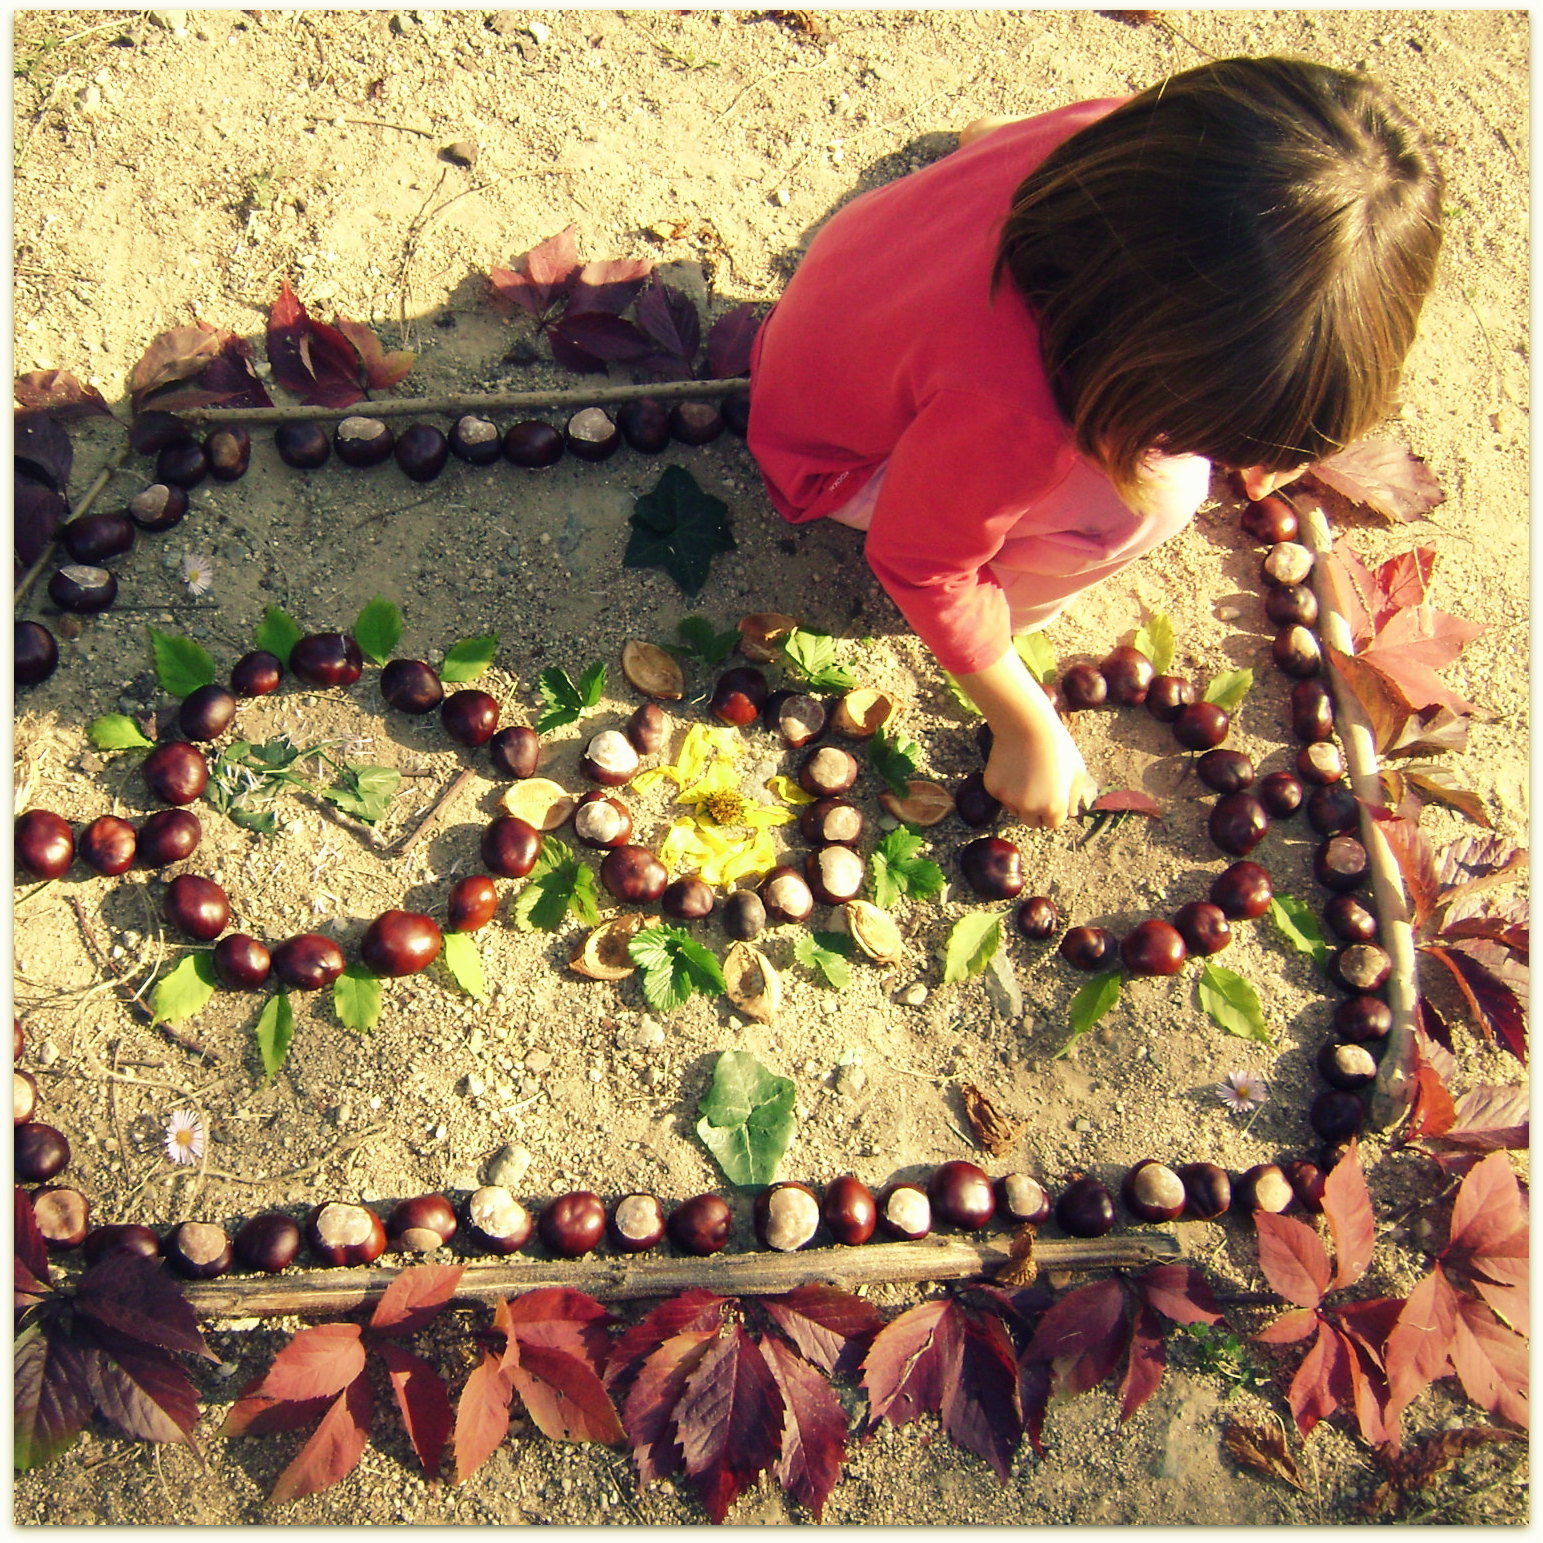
(1180, 1292)
(1418, 1348)
(814, 1427)
(412, 1301)
(1355, 590)
(422, 1401)
(1290, 1327)
(60, 394)
(310, 358)
(1509, 935)
(1322, 1382)
(728, 1419)
(51, 1398)
(550, 269)
(1423, 635)
(903, 1371)
(42, 450)
(729, 342)
(558, 1319)
(1432, 1112)
(481, 1416)
(37, 512)
(335, 1446)
(1348, 1207)
(1414, 682)
(1491, 1362)
(1084, 1334)
(380, 368)
(1381, 475)
(1417, 867)
(255, 1414)
(1403, 580)
(1431, 731)
(649, 1410)
(1144, 1368)
(1034, 1399)
(691, 1311)
(562, 1394)
(1436, 785)
(980, 1398)
(195, 366)
(1486, 1119)
(1368, 1391)
(610, 284)
(135, 1297)
(830, 1327)
(1488, 1208)
(142, 1391)
(31, 1252)
(1386, 710)
(1493, 1006)
(1369, 1321)
(669, 319)
(590, 341)
(316, 1363)
(1293, 1259)
(1473, 864)
(1126, 800)
(178, 354)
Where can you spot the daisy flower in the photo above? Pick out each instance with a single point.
(198, 572)
(185, 1136)
(1242, 1092)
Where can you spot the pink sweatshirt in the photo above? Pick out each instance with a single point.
(889, 348)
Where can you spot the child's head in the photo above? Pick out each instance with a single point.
(1231, 264)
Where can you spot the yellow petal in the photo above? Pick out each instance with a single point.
(787, 790)
(764, 817)
(717, 778)
(757, 858)
(682, 847)
(654, 776)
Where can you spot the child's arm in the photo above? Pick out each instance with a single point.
(1035, 768)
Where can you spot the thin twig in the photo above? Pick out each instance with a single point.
(372, 123)
(431, 820)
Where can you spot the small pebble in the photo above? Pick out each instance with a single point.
(509, 1166)
(475, 1086)
(538, 30)
(48, 1053)
(851, 1080)
(912, 996)
(1082, 1123)
(1227, 613)
(538, 1061)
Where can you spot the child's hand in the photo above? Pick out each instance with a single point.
(1040, 776)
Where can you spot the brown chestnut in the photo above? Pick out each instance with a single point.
(228, 449)
(1270, 519)
(241, 962)
(609, 759)
(636, 1224)
(168, 836)
(786, 895)
(40, 1153)
(633, 875)
(1201, 726)
(24, 1096)
(1363, 1020)
(1037, 918)
(1291, 605)
(1207, 1190)
(1281, 793)
(532, 444)
(648, 729)
(206, 712)
(590, 434)
(827, 771)
(471, 904)
(1336, 1115)
(1296, 652)
(701, 1225)
(1342, 1064)
(475, 440)
(84, 589)
(421, 452)
(572, 1224)
(469, 717)
(695, 423)
(961, 1196)
(269, 1242)
(1021, 1199)
(1154, 947)
(308, 961)
(1128, 676)
(411, 686)
(644, 424)
(515, 751)
(422, 1224)
(1350, 919)
(304, 446)
(1203, 926)
(744, 915)
(848, 1210)
(1264, 1187)
(1085, 1208)
(993, 868)
(108, 845)
(400, 943)
(835, 874)
(687, 899)
(509, 846)
(601, 821)
(831, 819)
(497, 1220)
(1361, 967)
(796, 717)
(973, 804)
(1312, 711)
(1089, 948)
(1225, 771)
(1168, 695)
(1287, 562)
(1307, 1181)
(176, 772)
(1237, 823)
(256, 674)
(1341, 863)
(196, 906)
(906, 1212)
(338, 1232)
(63, 1215)
(326, 659)
(120, 1238)
(198, 1250)
(786, 1216)
(1243, 891)
(361, 441)
(1153, 1192)
(1333, 809)
(159, 506)
(45, 844)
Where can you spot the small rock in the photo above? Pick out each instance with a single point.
(648, 1035)
(440, 1131)
(463, 152)
(538, 30)
(1227, 613)
(341, 1113)
(475, 1041)
(505, 22)
(651, 1077)
(48, 1053)
(1082, 1123)
(781, 198)
(851, 1080)
(475, 1086)
(167, 21)
(913, 995)
(508, 1167)
(538, 1061)
(226, 1370)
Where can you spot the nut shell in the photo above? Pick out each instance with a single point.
(337, 1232)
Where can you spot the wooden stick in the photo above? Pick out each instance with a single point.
(1393, 1092)
(317, 1293)
(473, 401)
(433, 818)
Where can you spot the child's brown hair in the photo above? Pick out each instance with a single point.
(1231, 264)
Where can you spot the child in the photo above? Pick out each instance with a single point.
(1014, 368)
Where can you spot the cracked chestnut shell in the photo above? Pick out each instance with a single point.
(509, 846)
(338, 1232)
(326, 659)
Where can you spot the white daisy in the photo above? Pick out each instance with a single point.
(1243, 1091)
(185, 1136)
(198, 572)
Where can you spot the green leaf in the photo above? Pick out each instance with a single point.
(364, 791)
(263, 821)
(746, 1117)
(895, 758)
(1156, 640)
(181, 665)
(562, 700)
(1231, 1003)
(701, 641)
(356, 994)
(674, 966)
(592, 683)
(463, 959)
(117, 731)
(678, 527)
(897, 869)
(1090, 1004)
(830, 953)
(956, 691)
(558, 883)
(468, 659)
(275, 1029)
(1299, 927)
(1037, 655)
(1228, 690)
(975, 938)
(378, 630)
(277, 633)
(184, 989)
(812, 657)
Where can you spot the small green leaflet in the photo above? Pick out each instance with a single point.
(1231, 1003)
(1037, 655)
(277, 633)
(468, 659)
(812, 657)
(464, 962)
(181, 665)
(558, 883)
(364, 791)
(1228, 690)
(1090, 1004)
(1156, 640)
(378, 630)
(699, 640)
(895, 758)
(675, 967)
(975, 938)
(563, 701)
(829, 953)
(678, 527)
(356, 995)
(897, 870)
(956, 691)
(117, 731)
(275, 1029)
(184, 990)
(1299, 927)
(746, 1117)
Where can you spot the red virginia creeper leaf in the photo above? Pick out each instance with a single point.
(558, 1319)
(380, 368)
(649, 1410)
(669, 317)
(31, 1252)
(1419, 1346)
(980, 1409)
(1034, 1399)
(562, 1394)
(423, 1402)
(177, 354)
(1369, 1322)
(60, 394)
(481, 1416)
(590, 341)
(1387, 712)
(1403, 580)
(814, 1427)
(1348, 1207)
(412, 1301)
(1495, 1008)
(227, 380)
(310, 358)
(1424, 635)
(729, 1419)
(1090, 1329)
(51, 1397)
(1488, 1209)
(1509, 935)
(316, 1363)
(1355, 590)
(1381, 475)
(335, 1446)
(551, 269)
(1322, 1381)
(1290, 1327)
(1417, 866)
(1180, 1292)
(1436, 785)
(255, 1414)
(1490, 1116)
(1491, 1362)
(729, 341)
(1127, 800)
(142, 1391)
(831, 1327)
(37, 512)
(1293, 1259)
(136, 1297)
(42, 449)
(1413, 681)
(1432, 1111)
(1368, 1391)
(903, 1371)
(693, 1311)
(1144, 1369)
(609, 285)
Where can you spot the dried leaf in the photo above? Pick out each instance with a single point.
(41, 449)
(729, 1419)
(1348, 1207)
(648, 1412)
(1180, 1292)
(1263, 1448)
(668, 317)
(814, 1426)
(412, 1301)
(692, 1311)
(1127, 801)
(481, 1416)
(1493, 1007)
(993, 1131)
(652, 671)
(60, 395)
(1322, 1381)
(551, 269)
(423, 1403)
(1381, 475)
(1416, 1467)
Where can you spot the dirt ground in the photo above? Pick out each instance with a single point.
(173, 164)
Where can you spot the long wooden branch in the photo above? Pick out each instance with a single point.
(317, 1293)
(474, 401)
(1393, 1091)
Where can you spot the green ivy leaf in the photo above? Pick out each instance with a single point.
(1295, 920)
(558, 883)
(812, 657)
(277, 633)
(975, 938)
(897, 869)
(592, 683)
(364, 791)
(463, 959)
(184, 989)
(678, 527)
(117, 731)
(378, 630)
(356, 994)
(1157, 641)
(829, 953)
(181, 665)
(1231, 1003)
(562, 700)
(701, 641)
(746, 1117)
(956, 691)
(1228, 689)
(895, 758)
(674, 966)
(468, 659)
(1089, 1004)
(275, 1029)
(1037, 655)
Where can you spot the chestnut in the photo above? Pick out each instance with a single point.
(36, 655)
(1037, 918)
(184, 464)
(1361, 967)
(786, 1216)
(1321, 763)
(532, 444)
(786, 895)
(362, 441)
(421, 452)
(206, 712)
(633, 875)
(848, 1210)
(1291, 605)
(475, 440)
(1312, 711)
(744, 915)
(590, 435)
(152, 431)
(241, 962)
(24, 1096)
(196, 906)
(609, 759)
(1204, 927)
(636, 1223)
(1022, 1199)
(228, 450)
(168, 836)
(688, 899)
(82, 588)
(471, 903)
(1153, 1192)
(94, 538)
(1083, 687)
(326, 659)
(1363, 1019)
(1237, 823)
(338, 1232)
(644, 424)
(973, 804)
(602, 821)
(1336, 1115)
(906, 1212)
(176, 772)
(1270, 519)
(1207, 1190)
(1128, 675)
(835, 874)
(1085, 1208)
(1225, 771)
(827, 771)
(497, 1220)
(1341, 863)
(411, 686)
(422, 1224)
(1243, 891)
(158, 507)
(256, 674)
(831, 819)
(45, 844)
(695, 423)
(1088, 948)
(1349, 919)
(1281, 793)
(1296, 652)
(1307, 1182)
(198, 1250)
(796, 717)
(1264, 1187)
(515, 751)
(1168, 696)
(120, 1238)
(269, 1242)
(1333, 809)
(700, 1225)
(18, 1039)
(469, 717)
(1154, 947)
(1287, 562)
(738, 697)
(993, 868)
(961, 1196)
(41, 1152)
(1201, 726)
(1342, 1064)
(308, 961)
(305, 446)
(736, 412)
(648, 729)
(510, 846)
(400, 943)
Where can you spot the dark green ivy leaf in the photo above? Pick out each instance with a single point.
(678, 527)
